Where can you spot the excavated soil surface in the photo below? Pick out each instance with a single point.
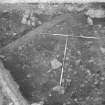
(83, 76)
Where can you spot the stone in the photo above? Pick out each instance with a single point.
(102, 50)
(40, 103)
(89, 21)
(24, 21)
(59, 89)
(96, 13)
(55, 64)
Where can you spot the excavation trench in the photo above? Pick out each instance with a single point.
(29, 58)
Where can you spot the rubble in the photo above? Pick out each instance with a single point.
(29, 20)
(96, 13)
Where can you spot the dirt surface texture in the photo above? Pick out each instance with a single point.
(61, 61)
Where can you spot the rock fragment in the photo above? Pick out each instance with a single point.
(89, 21)
(55, 64)
(102, 50)
(59, 89)
(96, 13)
(40, 103)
